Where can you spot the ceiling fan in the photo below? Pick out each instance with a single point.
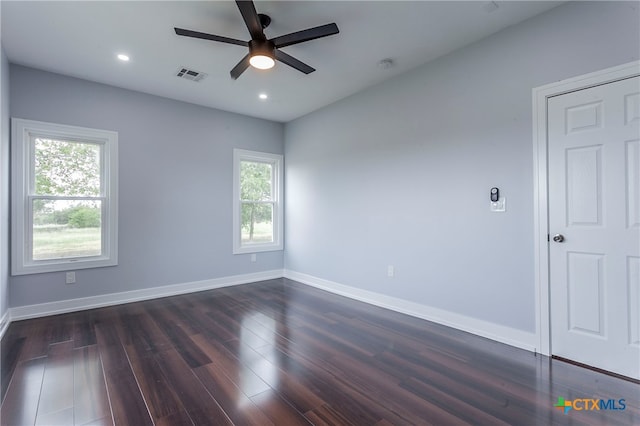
(264, 52)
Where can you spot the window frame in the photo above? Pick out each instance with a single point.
(276, 162)
(23, 193)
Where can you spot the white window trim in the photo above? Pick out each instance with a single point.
(276, 161)
(22, 167)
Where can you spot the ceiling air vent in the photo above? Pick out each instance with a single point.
(190, 74)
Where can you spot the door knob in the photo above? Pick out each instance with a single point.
(558, 238)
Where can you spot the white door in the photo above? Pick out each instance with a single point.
(594, 204)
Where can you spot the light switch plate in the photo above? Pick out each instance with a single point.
(499, 206)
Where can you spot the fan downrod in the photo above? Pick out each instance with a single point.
(265, 20)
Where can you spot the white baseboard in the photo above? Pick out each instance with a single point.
(63, 306)
(500, 333)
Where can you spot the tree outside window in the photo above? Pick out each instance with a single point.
(257, 203)
(66, 207)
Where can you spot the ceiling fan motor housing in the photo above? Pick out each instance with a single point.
(261, 47)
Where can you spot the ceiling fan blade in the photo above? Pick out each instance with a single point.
(240, 67)
(306, 35)
(293, 62)
(205, 36)
(251, 19)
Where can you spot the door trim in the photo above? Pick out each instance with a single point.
(540, 184)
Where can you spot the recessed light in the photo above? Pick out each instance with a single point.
(263, 96)
(123, 57)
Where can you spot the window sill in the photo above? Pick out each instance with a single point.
(258, 248)
(62, 265)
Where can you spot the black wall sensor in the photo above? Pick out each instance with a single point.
(495, 194)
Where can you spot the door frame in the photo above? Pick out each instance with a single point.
(540, 182)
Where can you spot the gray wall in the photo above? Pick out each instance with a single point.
(400, 174)
(175, 183)
(4, 183)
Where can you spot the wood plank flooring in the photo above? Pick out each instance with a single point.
(281, 353)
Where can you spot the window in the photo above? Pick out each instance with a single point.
(64, 200)
(257, 209)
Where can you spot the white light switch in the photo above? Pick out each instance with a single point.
(499, 206)
(71, 277)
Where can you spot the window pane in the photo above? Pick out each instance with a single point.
(63, 228)
(66, 168)
(257, 223)
(255, 181)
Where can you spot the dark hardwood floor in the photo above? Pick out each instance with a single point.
(281, 353)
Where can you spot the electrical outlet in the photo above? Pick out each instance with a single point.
(71, 278)
(390, 271)
(253, 257)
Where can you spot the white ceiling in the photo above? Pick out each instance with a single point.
(82, 39)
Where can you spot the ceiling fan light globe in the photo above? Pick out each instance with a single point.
(262, 62)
